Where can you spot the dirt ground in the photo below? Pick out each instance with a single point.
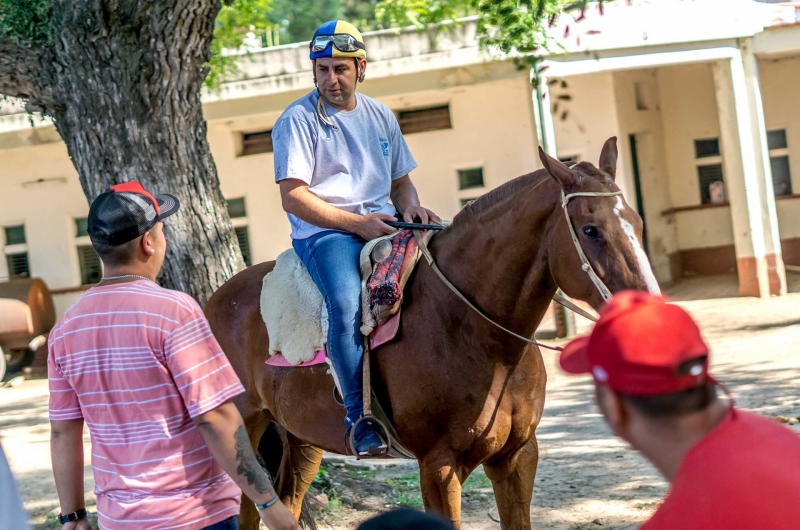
(587, 478)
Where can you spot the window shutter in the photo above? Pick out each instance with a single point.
(243, 237)
(257, 142)
(91, 266)
(421, 120)
(18, 265)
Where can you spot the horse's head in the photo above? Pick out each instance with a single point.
(607, 229)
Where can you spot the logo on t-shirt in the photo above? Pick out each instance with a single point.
(384, 146)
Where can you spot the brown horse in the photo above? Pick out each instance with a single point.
(461, 392)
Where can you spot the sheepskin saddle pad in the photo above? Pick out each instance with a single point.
(294, 311)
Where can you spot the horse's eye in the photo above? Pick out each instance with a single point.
(591, 232)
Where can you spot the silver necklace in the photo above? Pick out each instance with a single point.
(104, 278)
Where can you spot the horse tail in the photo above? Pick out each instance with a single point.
(274, 452)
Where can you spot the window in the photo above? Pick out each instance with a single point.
(236, 208)
(779, 161)
(18, 265)
(706, 148)
(81, 227)
(91, 266)
(711, 190)
(243, 237)
(470, 178)
(709, 171)
(569, 160)
(777, 139)
(256, 142)
(15, 235)
(16, 251)
(421, 120)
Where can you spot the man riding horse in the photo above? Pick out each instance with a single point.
(339, 158)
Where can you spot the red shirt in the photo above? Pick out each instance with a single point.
(745, 475)
(137, 363)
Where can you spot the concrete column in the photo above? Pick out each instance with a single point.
(546, 133)
(758, 128)
(748, 177)
(543, 117)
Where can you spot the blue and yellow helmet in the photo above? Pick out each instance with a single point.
(337, 38)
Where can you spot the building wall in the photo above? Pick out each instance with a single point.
(491, 128)
(639, 114)
(591, 119)
(47, 209)
(780, 79)
(689, 112)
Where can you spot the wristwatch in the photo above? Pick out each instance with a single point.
(74, 516)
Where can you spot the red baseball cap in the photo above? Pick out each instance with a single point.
(638, 345)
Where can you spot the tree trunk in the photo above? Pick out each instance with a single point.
(123, 81)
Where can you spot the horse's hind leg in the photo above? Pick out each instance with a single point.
(255, 424)
(512, 479)
(441, 489)
(298, 469)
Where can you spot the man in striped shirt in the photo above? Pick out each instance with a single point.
(138, 364)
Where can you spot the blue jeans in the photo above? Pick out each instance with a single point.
(332, 259)
(231, 523)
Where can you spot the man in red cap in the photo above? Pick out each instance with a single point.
(728, 469)
(139, 366)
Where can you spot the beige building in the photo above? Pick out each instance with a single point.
(700, 94)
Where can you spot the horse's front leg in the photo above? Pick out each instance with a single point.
(512, 479)
(440, 482)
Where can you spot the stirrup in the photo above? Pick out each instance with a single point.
(350, 436)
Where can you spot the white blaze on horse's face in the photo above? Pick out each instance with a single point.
(641, 257)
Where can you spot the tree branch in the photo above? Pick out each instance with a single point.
(20, 69)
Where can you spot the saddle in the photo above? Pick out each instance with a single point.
(296, 317)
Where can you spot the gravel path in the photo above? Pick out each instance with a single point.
(587, 478)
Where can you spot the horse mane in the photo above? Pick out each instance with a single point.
(499, 194)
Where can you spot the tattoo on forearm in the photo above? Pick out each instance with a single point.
(248, 464)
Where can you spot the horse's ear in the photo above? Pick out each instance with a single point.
(557, 170)
(608, 157)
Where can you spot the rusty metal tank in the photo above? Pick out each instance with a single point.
(27, 315)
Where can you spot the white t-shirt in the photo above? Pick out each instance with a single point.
(352, 167)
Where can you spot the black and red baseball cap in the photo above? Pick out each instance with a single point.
(641, 346)
(126, 211)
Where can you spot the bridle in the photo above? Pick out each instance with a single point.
(586, 266)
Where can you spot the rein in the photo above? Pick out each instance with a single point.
(586, 266)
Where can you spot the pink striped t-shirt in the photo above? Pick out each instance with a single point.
(138, 362)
